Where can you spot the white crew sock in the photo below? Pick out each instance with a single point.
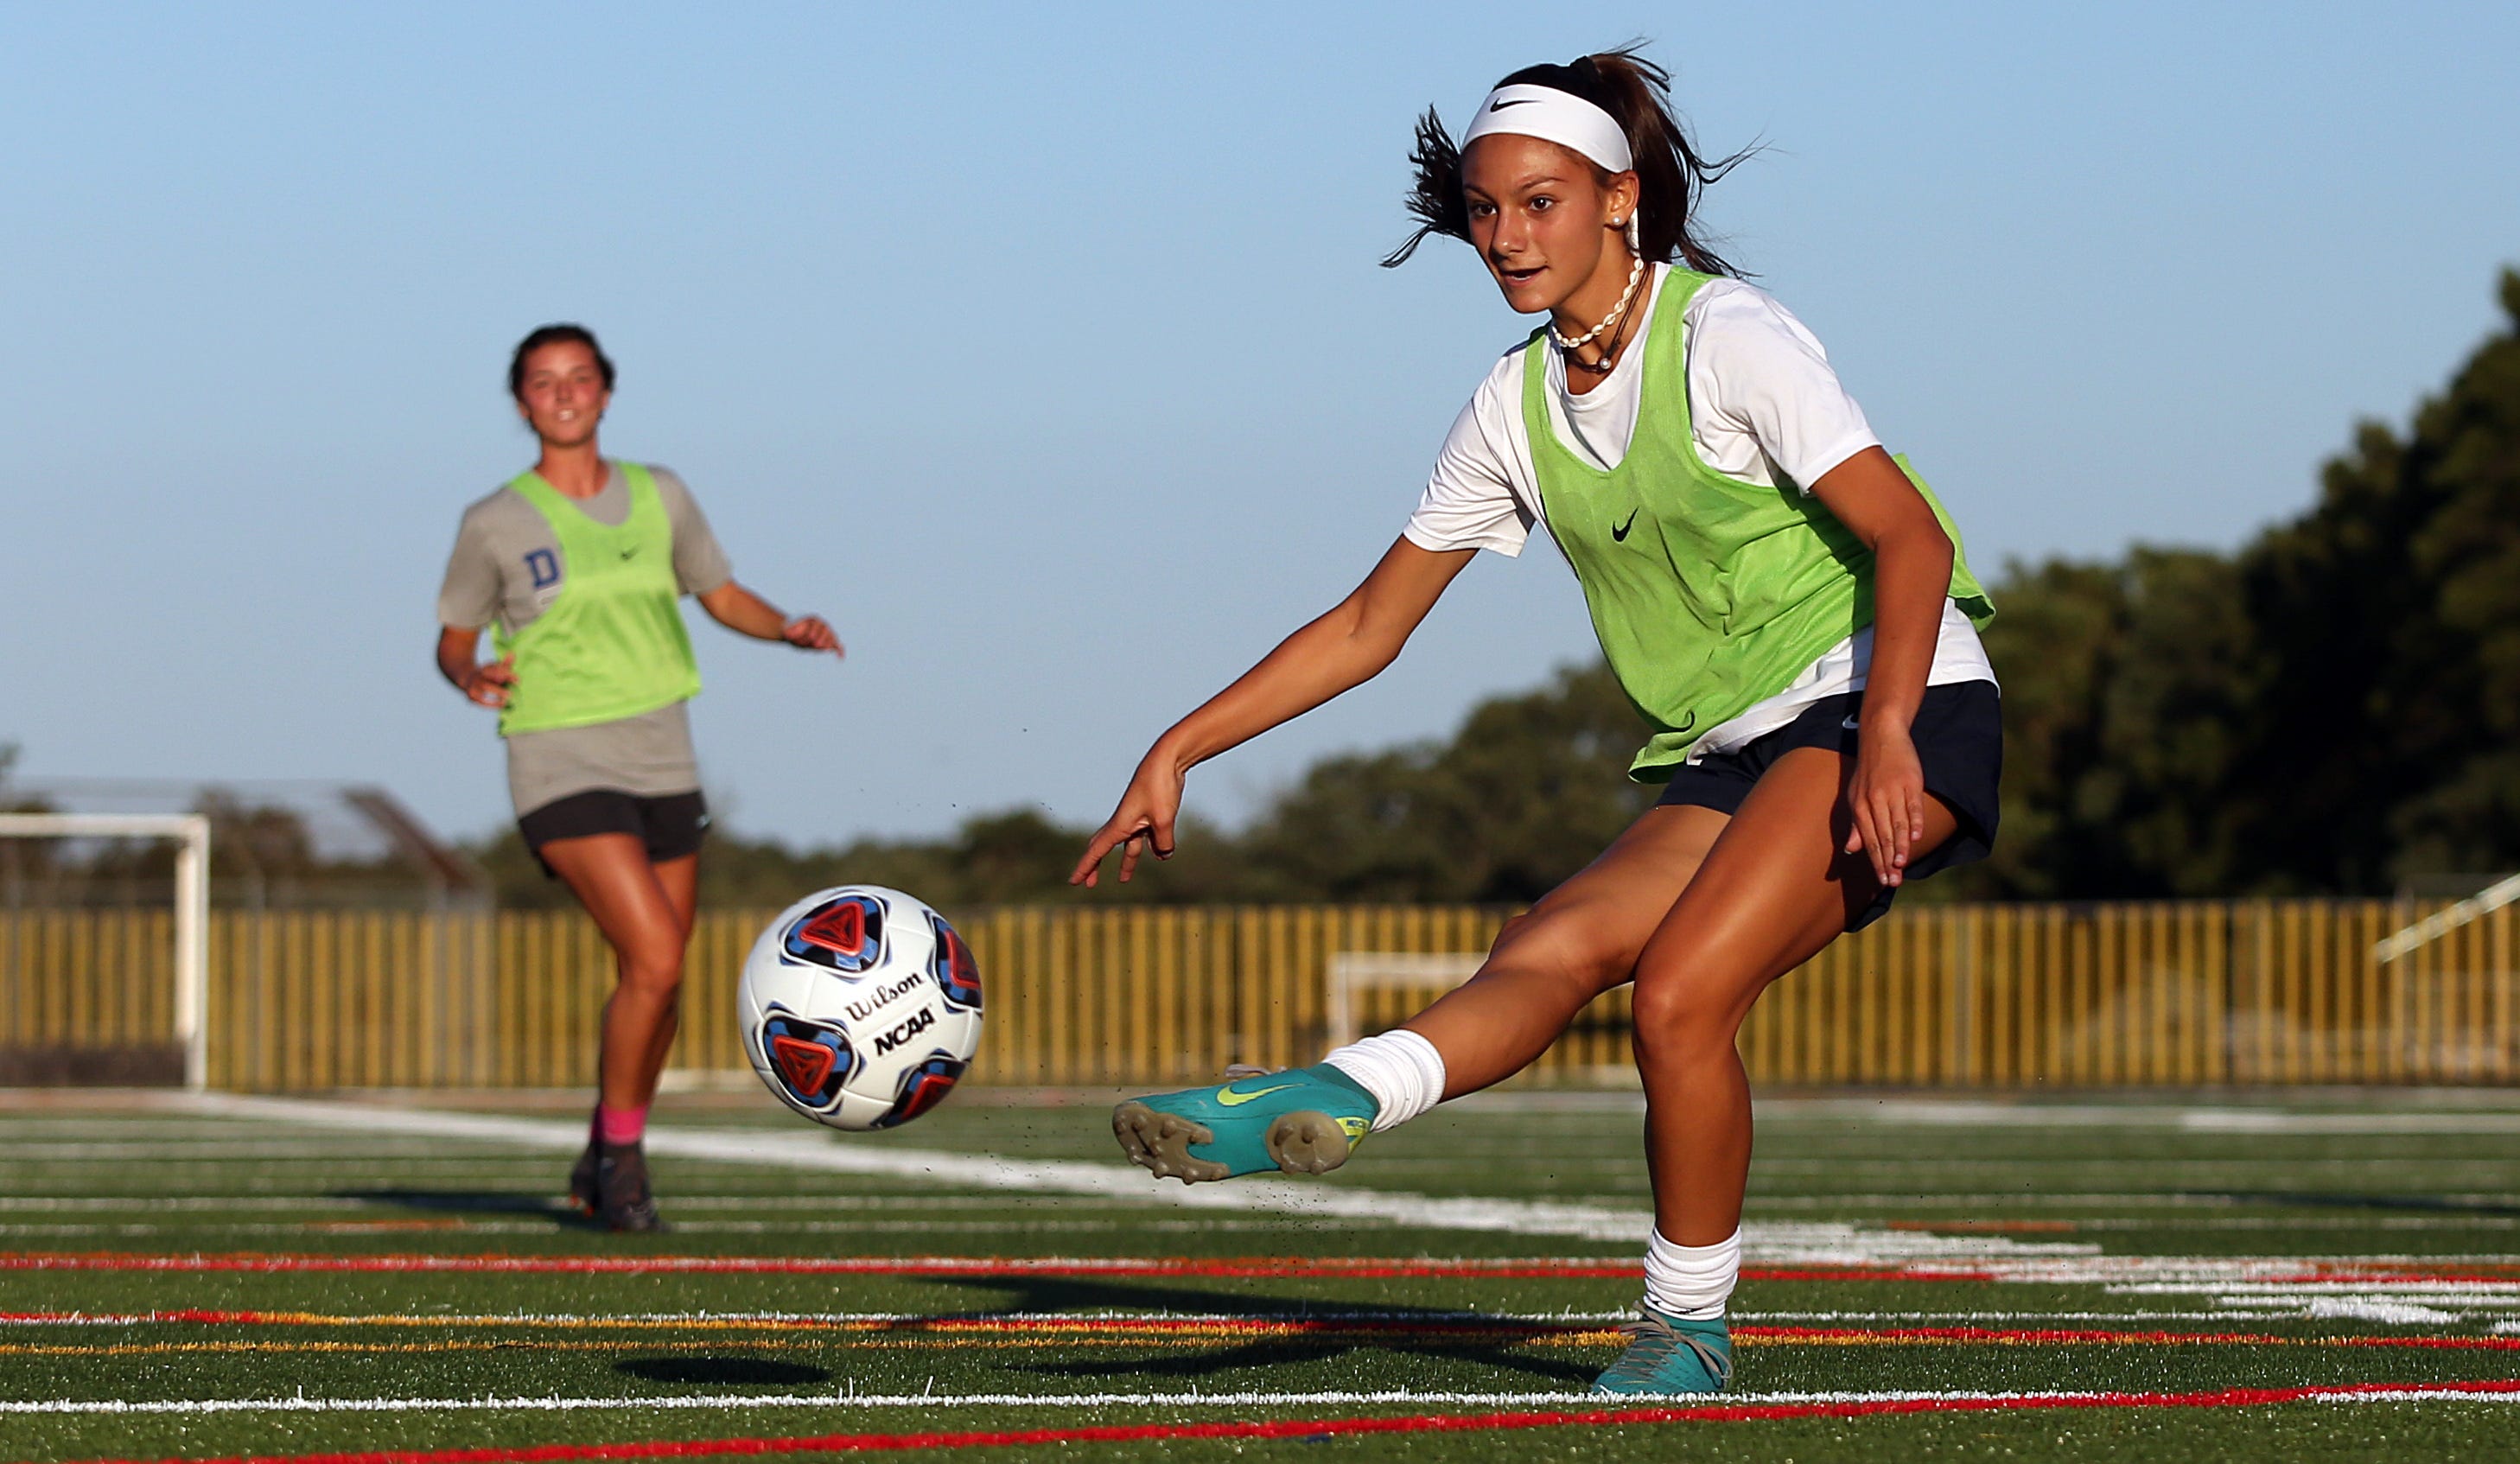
(1692, 1282)
(1402, 1070)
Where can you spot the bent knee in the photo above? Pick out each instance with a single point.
(659, 978)
(1675, 1014)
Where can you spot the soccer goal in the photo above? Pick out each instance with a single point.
(2432, 927)
(1355, 973)
(51, 963)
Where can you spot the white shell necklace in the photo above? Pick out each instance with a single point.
(1571, 344)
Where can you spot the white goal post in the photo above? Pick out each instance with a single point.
(1354, 971)
(2432, 927)
(192, 831)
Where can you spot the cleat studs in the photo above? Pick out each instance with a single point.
(1307, 1143)
(1159, 1143)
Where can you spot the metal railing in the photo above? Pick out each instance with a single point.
(2185, 993)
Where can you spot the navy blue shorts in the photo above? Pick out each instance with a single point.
(1958, 734)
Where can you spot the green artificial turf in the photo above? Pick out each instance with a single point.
(2113, 1220)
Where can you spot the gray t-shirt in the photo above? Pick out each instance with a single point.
(506, 566)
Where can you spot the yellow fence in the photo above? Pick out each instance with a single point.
(1957, 996)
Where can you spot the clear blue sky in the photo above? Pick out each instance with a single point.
(1043, 348)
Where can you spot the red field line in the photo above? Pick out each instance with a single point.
(1197, 1328)
(860, 1266)
(2061, 1337)
(836, 1444)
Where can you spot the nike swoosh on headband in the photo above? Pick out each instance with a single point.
(1554, 115)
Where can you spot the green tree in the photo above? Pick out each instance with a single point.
(1526, 792)
(2121, 687)
(2386, 741)
(2332, 710)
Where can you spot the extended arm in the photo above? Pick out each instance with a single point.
(1912, 577)
(744, 613)
(1342, 649)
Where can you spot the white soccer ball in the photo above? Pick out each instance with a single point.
(861, 1007)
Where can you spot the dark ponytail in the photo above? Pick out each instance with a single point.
(1435, 198)
(1671, 174)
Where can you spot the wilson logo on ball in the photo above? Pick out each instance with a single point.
(846, 935)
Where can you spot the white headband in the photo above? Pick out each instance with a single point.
(1554, 116)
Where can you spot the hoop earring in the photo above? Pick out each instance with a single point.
(1635, 244)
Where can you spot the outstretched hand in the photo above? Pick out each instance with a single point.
(1144, 821)
(812, 633)
(1886, 798)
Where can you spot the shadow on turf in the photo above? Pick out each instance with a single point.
(475, 1202)
(1034, 1294)
(722, 1372)
(1063, 1294)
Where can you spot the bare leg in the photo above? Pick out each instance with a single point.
(681, 882)
(1580, 940)
(633, 905)
(1772, 892)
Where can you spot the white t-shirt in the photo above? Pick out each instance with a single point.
(1765, 407)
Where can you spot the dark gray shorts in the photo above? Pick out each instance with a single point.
(1958, 734)
(671, 827)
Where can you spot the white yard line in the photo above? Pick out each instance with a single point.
(825, 1153)
(366, 1203)
(1168, 1400)
(1777, 1243)
(1771, 1243)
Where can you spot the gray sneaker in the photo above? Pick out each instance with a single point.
(623, 1200)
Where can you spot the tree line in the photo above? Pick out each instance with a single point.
(2333, 707)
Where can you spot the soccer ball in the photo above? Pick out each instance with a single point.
(861, 1007)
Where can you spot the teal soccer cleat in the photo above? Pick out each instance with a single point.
(1303, 1120)
(1670, 1354)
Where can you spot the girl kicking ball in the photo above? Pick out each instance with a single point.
(1785, 604)
(582, 563)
